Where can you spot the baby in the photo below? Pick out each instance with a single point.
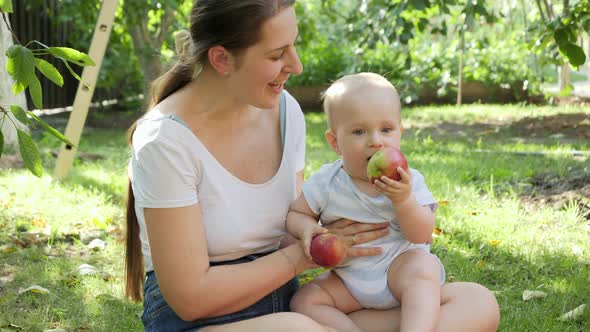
(363, 113)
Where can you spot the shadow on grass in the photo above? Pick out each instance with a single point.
(70, 304)
(563, 277)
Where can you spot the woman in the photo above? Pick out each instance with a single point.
(213, 172)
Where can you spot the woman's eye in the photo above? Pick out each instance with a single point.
(277, 57)
(387, 130)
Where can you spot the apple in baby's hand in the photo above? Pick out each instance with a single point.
(385, 162)
(327, 250)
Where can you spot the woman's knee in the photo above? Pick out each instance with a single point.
(482, 303)
(298, 322)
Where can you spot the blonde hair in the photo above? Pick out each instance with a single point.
(349, 85)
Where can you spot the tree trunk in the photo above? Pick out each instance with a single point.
(564, 77)
(7, 98)
(460, 78)
(147, 44)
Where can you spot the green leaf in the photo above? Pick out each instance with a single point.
(6, 6)
(20, 66)
(561, 37)
(20, 114)
(29, 153)
(50, 129)
(49, 71)
(574, 53)
(72, 55)
(35, 91)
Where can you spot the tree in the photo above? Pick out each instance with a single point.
(562, 31)
(23, 63)
(149, 25)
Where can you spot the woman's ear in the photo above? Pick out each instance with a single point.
(220, 59)
(332, 141)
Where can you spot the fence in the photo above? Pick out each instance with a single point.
(38, 22)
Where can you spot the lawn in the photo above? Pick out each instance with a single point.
(513, 184)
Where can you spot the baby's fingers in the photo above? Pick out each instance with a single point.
(406, 178)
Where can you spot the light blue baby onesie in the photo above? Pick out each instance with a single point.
(331, 194)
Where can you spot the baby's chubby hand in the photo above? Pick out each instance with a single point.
(308, 233)
(397, 191)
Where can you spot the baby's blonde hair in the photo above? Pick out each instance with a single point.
(352, 84)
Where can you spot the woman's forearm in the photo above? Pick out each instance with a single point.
(226, 289)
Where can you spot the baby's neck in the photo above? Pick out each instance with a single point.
(366, 187)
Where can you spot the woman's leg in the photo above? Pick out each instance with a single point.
(465, 306)
(282, 321)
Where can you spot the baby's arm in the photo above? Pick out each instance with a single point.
(416, 221)
(302, 223)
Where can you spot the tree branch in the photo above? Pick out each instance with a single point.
(4, 15)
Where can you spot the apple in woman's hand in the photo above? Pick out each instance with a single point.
(385, 163)
(327, 250)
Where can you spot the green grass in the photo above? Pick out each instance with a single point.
(491, 231)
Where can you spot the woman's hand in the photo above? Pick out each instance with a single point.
(353, 233)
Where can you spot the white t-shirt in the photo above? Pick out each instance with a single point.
(170, 167)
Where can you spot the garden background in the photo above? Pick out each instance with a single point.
(510, 165)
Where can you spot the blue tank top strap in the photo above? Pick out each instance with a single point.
(282, 116)
(176, 118)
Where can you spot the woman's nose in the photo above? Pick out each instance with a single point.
(295, 66)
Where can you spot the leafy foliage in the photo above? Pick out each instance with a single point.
(22, 65)
(561, 32)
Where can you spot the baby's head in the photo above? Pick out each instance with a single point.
(363, 114)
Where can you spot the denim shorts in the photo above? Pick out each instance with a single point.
(158, 316)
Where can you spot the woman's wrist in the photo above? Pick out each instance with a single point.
(296, 257)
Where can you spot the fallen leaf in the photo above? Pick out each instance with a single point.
(474, 213)
(12, 327)
(574, 314)
(530, 295)
(494, 243)
(86, 269)
(437, 231)
(443, 203)
(34, 289)
(96, 244)
(38, 222)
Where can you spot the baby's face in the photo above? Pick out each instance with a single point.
(363, 124)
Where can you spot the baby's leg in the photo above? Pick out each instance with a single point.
(414, 279)
(327, 301)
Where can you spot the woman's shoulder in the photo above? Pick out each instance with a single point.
(159, 129)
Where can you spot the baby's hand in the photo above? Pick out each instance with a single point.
(308, 233)
(396, 191)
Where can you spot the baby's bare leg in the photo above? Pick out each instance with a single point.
(414, 279)
(327, 301)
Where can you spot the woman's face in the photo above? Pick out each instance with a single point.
(263, 68)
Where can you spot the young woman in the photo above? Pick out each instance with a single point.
(215, 164)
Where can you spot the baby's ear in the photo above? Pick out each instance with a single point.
(332, 141)
(401, 128)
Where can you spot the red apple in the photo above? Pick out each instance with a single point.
(327, 250)
(385, 162)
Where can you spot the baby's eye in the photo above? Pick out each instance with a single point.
(358, 132)
(387, 130)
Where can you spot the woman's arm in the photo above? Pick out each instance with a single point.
(179, 253)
